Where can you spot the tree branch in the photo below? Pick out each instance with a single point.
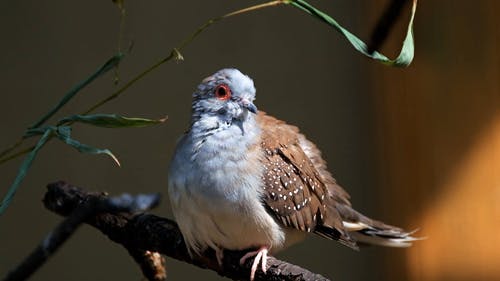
(146, 235)
(86, 208)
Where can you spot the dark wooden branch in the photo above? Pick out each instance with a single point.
(385, 24)
(86, 208)
(144, 235)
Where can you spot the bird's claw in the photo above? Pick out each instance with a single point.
(260, 256)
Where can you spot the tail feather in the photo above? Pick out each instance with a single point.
(367, 231)
(381, 237)
(402, 242)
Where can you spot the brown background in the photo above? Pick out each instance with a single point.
(416, 147)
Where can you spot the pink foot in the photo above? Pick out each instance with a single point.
(260, 254)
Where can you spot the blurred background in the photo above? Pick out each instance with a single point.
(416, 147)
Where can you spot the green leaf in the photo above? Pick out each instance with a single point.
(30, 132)
(21, 174)
(64, 134)
(108, 65)
(112, 120)
(404, 58)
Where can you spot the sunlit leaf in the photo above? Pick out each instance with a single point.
(404, 58)
(112, 120)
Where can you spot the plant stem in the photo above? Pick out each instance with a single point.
(174, 54)
(12, 147)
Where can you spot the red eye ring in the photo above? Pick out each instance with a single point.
(222, 92)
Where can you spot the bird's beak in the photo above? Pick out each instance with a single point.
(249, 106)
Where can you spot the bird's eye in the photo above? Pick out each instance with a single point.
(222, 92)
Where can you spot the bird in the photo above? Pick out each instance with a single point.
(240, 179)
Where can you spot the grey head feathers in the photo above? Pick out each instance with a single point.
(225, 96)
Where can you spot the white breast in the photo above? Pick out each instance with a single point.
(215, 190)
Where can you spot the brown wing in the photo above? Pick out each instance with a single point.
(295, 191)
(337, 193)
(359, 222)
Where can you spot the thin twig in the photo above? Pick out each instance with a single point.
(17, 154)
(174, 54)
(10, 148)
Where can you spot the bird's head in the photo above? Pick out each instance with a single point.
(227, 96)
